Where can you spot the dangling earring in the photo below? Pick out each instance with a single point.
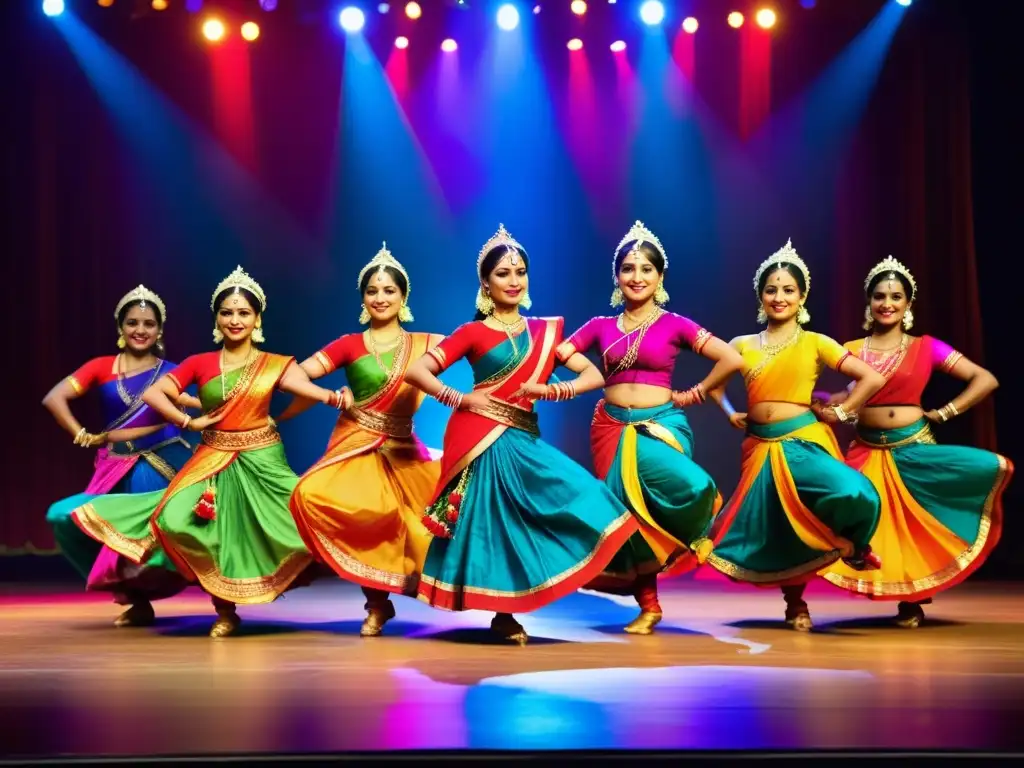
(908, 319)
(257, 333)
(803, 316)
(617, 298)
(405, 314)
(526, 303)
(484, 302)
(661, 295)
(868, 319)
(762, 316)
(160, 342)
(218, 337)
(121, 343)
(364, 316)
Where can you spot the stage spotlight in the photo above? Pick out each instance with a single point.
(250, 31)
(652, 12)
(104, 3)
(578, 7)
(449, 46)
(618, 46)
(413, 10)
(213, 30)
(904, 3)
(690, 24)
(383, 8)
(195, 6)
(508, 17)
(159, 5)
(765, 18)
(575, 44)
(402, 42)
(808, 3)
(53, 7)
(536, 9)
(735, 19)
(268, 5)
(351, 19)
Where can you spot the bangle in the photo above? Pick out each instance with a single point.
(449, 397)
(335, 399)
(559, 391)
(841, 414)
(948, 411)
(186, 421)
(79, 435)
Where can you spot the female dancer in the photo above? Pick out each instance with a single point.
(224, 519)
(798, 507)
(640, 438)
(517, 524)
(138, 452)
(359, 508)
(942, 508)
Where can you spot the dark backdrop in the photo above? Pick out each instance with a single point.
(133, 153)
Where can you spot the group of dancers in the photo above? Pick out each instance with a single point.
(502, 521)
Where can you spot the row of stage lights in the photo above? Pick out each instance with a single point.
(352, 19)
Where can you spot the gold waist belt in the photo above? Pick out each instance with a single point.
(923, 435)
(510, 416)
(245, 440)
(133, 451)
(382, 423)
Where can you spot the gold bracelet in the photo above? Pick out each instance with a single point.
(79, 435)
(186, 421)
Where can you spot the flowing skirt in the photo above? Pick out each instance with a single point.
(251, 551)
(362, 512)
(795, 503)
(104, 568)
(533, 526)
(673, 499)
(942, 512)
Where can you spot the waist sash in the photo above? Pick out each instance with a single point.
(918, 432)
(244, 440)
(510, 416)
(381, 423)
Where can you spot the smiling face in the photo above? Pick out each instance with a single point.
(140, 328)
(889, 301)
(236, 317)
(382, 296)
(781, 295)
(639, 275)
(508, 280)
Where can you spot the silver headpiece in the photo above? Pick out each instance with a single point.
(240, 279)
(785, 255)
(638, 234)
(141, 294)
(498, 239)
(896, 270)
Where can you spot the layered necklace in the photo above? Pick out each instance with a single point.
(641, 329)
(510, 329)
(377, 352)
(220, 363)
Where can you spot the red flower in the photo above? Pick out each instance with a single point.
(455, 499)
(452, 514)
(205, 507)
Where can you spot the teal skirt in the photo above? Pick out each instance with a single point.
(678, 497)
(82, 550)
(941, 514)
(533, 526)
(794, 498)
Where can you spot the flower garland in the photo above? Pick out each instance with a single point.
(441, 516)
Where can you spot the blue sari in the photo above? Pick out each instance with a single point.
(517, 523)
(138, 466)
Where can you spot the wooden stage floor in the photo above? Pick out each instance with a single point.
(722, 673)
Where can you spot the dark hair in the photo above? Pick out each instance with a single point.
(491, 260)
(650, 253)
(794, 271)
(908, 287)
(123, 314)
(398, 277)
(249, 296)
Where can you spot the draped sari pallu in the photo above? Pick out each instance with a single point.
(942, 512)
(615, 439)
(533, 525)
(359, 507)
(793, 500)
(138, 466)
(243, 435)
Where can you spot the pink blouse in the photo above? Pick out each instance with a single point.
(656, 357)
